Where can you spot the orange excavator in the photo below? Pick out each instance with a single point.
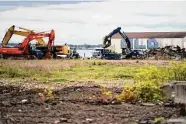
(24, 49)
(57, 50)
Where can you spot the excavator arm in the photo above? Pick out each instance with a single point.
(25, 33)
(8, 35)
(35, 36)
(107, 38)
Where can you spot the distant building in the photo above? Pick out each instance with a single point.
(147, 40)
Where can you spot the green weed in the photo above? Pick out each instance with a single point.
(60, 80)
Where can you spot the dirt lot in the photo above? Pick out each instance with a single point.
(22, 99)
(73, 104)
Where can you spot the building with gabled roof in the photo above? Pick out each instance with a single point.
(147, 40)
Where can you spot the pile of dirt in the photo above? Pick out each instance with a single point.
(75, 105)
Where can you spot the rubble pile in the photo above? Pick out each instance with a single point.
(167, 52)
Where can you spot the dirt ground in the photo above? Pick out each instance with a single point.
(72, 104)
(23, 102)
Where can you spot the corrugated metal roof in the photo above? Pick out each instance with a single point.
(152, 35)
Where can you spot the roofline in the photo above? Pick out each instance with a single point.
(178, 34)
(159, 32)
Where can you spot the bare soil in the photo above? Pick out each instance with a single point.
(72, 104)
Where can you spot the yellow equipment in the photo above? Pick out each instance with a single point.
(62, 49)
(25, 33)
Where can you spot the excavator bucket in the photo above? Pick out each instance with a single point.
(106, 42)
(107, 38)
(8, 35)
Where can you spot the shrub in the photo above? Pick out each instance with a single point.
(178, 71)
(152, 73)
(147, 91)
(127, 95)
(148, 81)
(106, 96)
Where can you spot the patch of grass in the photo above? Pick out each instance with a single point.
(96, 72)
(147, 78)
(10, 72)
(99, 63)
(159, 119)
(122, 76)
(60, 80)
(67, 69)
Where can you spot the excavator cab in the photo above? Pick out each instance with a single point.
(34, 51)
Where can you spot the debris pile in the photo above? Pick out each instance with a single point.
(167, 52)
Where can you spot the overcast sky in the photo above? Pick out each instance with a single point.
(89, 22)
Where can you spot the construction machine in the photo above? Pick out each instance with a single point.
(61, 51)
(101, 53)
(127, 52)
(25, 49)
(58, 50)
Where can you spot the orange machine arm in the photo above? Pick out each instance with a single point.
(51, 36)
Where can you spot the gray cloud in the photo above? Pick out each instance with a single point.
(89, 22)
